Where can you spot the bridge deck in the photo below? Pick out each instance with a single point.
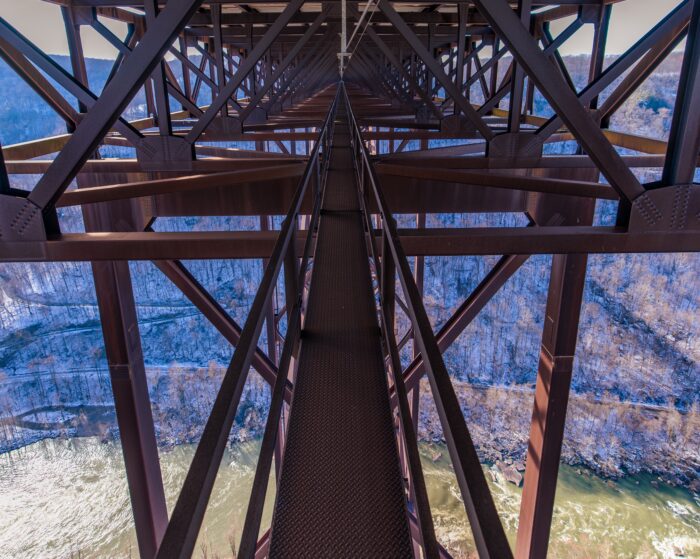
(340, 492)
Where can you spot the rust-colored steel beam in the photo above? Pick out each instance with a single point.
(545, 240)
(551, 398)
(81, 247)
(122, 342)
(684, 139)
(227, 90)
(157, 187)
(433, 159)
(132, 402)
(116, 96)
(466, 313)
(235, 160)
(560, 96)
(176, 272)
(15, 60)
(585, 189)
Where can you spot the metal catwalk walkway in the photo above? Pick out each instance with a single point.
(340, 492)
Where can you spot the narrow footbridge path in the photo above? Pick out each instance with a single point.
(341, 491)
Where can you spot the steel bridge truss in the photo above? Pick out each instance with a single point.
(225, 71)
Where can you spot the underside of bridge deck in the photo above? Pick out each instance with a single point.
(344, 117)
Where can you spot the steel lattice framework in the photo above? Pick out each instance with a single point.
(418, 71)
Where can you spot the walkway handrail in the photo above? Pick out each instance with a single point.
(184, 525)
(489, 535)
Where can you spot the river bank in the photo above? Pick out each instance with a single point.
(78, 486)
(614, 439)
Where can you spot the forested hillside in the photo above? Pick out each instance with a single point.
(637, 373)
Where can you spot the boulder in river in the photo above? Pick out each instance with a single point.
(510, 472)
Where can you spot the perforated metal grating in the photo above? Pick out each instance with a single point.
(340, 493)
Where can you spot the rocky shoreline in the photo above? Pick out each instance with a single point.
(610, 439)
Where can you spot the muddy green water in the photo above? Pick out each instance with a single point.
(68, 498)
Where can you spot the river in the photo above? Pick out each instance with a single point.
(69, 499)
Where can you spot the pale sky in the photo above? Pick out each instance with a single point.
(42, 23)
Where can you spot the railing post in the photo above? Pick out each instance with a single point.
(362, 179)
(367, 186)
(317, 180)
(388, 279)
(291, 273)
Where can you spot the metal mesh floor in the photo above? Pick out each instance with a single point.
(340, 492)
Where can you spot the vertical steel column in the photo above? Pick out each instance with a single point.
(343, 36)
(120, 330)
(209, 48)
(600, 40)
(198, 80)
(684, 139)
(182, 43)
(462, 10)
(518, 80)
(493, 87)
(412, 60)
(467, 89)
(161, 92)
(428, 78)
(148, 90)
(551, 398)
(219, 54)
(451, 63)
(4, 179)
(75, 50)
(132, 403)
(566, 285)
